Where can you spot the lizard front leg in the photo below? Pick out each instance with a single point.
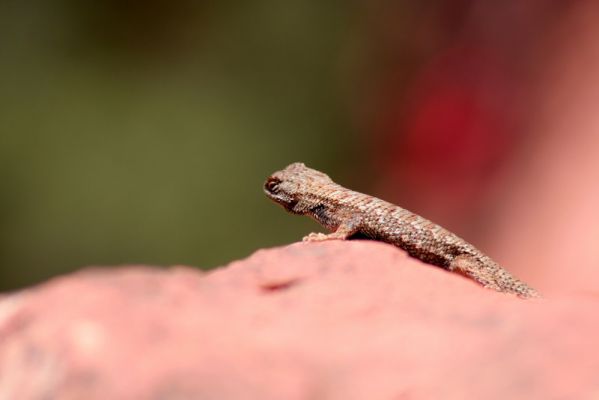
(344, 231)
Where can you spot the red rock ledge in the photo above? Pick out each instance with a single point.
(335, 320)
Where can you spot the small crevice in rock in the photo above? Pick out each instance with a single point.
(276, 286)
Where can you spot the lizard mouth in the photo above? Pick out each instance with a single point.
(286, 203)
(274, 192)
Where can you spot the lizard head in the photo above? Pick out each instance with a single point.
(296, 187)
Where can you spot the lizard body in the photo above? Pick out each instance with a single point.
(305, 191)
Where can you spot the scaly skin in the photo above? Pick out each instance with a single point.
(305, 191)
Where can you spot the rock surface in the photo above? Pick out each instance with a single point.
(334, 320)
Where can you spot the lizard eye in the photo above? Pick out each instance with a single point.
(272, 185)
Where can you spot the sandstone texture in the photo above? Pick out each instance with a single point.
(335, 320)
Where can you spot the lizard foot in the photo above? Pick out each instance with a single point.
(319, 237)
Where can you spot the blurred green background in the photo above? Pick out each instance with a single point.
(141, 132)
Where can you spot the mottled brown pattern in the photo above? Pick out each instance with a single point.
(305, 191)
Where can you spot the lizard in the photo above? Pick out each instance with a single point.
(347, 213)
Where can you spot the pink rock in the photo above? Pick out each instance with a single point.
(334, 320)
